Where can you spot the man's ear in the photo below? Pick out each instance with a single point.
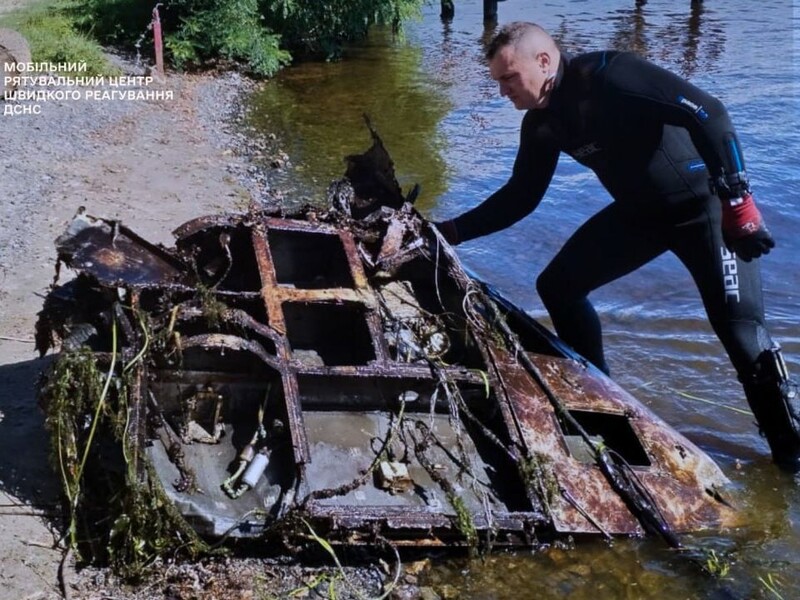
(544, 61)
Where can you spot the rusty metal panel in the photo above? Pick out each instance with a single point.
(321, 338)
(367, 376)
(680, 477)
(113, 254)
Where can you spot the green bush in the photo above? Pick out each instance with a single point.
(113, 22)
(312, 29)
(231, 29)
(261, 34)
(195, 31)
(53, 37)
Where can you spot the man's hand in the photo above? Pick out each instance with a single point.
(448, 231)
(743, 229)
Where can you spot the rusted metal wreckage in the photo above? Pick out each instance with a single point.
(342, 364)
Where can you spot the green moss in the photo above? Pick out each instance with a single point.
(464, 521)
(537, 474)
(213, 309)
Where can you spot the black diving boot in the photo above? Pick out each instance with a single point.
(773, 398)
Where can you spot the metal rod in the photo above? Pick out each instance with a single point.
(629, 489)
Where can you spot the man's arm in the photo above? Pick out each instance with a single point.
(533, 169)
(640, 86)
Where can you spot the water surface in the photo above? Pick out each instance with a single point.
(431, 98)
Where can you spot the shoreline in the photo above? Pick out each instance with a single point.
(153, 166)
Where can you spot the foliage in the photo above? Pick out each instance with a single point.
(318, 29)
(54, 37)
(261, 34)
(110, 21)
(772, 584)
(195, 31)
(147, 525)
(537, 473)
(464, 522)
(73, 389)
(332, 580)
(213, 309)
(231, 29)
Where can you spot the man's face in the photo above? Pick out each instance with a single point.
(521, 77)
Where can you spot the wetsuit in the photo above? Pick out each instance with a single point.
(654, 141)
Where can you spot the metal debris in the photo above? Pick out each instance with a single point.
(342, 365)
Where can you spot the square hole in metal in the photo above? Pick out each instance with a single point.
(323, 334)
(309, 260)
(614, 431)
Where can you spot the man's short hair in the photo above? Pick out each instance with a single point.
(510, 35)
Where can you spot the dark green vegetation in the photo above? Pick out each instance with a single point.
(195, 31)
(123, 517)
(53, 35)
(258, 35)
(310, 28)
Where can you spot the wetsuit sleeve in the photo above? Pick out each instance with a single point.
(639, 86)
(533, 169)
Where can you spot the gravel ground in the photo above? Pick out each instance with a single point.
(152, 165)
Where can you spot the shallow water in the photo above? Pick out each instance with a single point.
(430, 97)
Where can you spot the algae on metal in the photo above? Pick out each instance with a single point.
(335, 345)
(144, 523)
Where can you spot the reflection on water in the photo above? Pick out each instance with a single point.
(317, 110)
(432, 100)
(686, 38)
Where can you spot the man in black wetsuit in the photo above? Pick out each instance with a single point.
(669, 156)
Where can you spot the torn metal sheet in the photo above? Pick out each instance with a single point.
(341, 365)
(114, 255)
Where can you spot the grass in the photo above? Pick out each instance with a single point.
(52, 35)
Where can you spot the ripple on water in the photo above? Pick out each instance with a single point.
(446, 126)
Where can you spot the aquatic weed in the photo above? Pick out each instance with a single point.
(213, 309)
(95, 451)
(716, 565)
(538, 476)
(464, 522)
(772, 584)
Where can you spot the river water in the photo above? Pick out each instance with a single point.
(430, 97)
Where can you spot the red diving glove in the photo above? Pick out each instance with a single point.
(743, 229)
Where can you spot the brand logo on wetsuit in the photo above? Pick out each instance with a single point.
(730, 274)
(698, 110)
(697, 165)
(587, 150)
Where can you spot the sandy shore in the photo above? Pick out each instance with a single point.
(152, 165)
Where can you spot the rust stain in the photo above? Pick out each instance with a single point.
(324, 366)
